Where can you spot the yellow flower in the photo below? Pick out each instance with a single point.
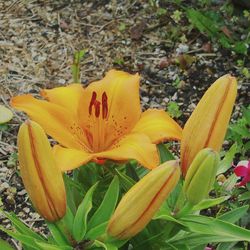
(142, 201)
(41, 177)
(206, 127)
(102, 121)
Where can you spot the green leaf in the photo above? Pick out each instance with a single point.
(107, 207)
(196, 239)
(125, 180)
(131, 172)
(168, 218)
(226, 245)
(210, 203)
(68, 219)
(57, 234)
(244, 196)
(226, 163)
(165, 154)
(229, 184)
(105, 246)
(46, 246)
(80, 221)
(21, 227)
(25, 239)
(98, 230)
(234, 215)
(212, 226)
(4, 245)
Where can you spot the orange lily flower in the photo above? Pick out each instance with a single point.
(101, 121)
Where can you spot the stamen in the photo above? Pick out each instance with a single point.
(104, 105)
(97, 105)
(92, 102)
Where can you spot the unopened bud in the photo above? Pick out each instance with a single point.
(41, 177)
(207, 125)
(141, 202)
(201, 176)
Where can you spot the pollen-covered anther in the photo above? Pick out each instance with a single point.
(92, 102)
(99, 105)
(104, 105)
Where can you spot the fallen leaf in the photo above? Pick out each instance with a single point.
(5, 114)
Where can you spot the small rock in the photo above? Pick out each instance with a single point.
(26, 210)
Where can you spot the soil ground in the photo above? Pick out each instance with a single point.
(37, 42)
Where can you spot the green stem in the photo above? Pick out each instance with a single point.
(65, 233)
(185, 210)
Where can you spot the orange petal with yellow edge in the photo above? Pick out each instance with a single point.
(133, 146)
(68, 159)
(207, 125)
(67, 97)
(158, 125)
(57, 121)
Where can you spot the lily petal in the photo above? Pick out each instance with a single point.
(123, 104)
(68, 159)
(241, 171)
(133, 146)
(57, 121)
(67, 97)
(158, 126)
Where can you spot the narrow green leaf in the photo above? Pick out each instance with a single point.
(196, 239)
(25, 239)
(46, 246)
(98, 230)
(210, 203)
(106, 246)
(4, 245)
(244, 196)
(225, 245)
(80, 221)
(57, 234)
(234, 215)
(168, 218)
(68, 219)
(213, 226)
(125, 180)
(107, 207)
(21, 227)
(165, 154)
(226, 163)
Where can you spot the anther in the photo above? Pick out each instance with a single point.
(104, 105)
(92, 102)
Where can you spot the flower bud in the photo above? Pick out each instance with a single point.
(141, 202)
(206, 127)
(201, 175)
(41, 177)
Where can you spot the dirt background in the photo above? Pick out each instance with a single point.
(38, 40)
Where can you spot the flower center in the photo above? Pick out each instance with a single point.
(98, 113)
(97, 105)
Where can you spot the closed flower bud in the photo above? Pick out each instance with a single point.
(207, 125)
(141, 202)
(41, 177)
(201, 176)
